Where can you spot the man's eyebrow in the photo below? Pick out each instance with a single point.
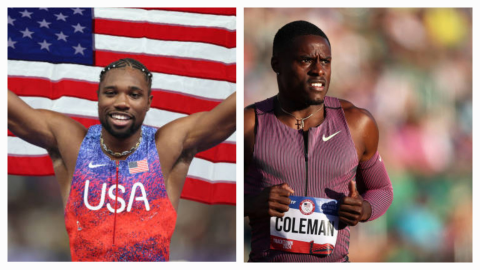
(131, 88)
(110, 87)
(135, 88)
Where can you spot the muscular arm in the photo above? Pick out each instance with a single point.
(29, 124)
(60, 135)
(179, 141)
(375, 192)
(208, 129)
(199, 131)
(44, 128)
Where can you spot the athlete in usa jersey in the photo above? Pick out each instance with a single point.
(143, 225)
(121, 181)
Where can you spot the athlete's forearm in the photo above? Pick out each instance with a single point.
(374, 185)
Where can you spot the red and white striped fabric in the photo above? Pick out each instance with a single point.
(138, 166)
(192, 55)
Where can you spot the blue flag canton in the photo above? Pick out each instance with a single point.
(56, 35)
(132, 165)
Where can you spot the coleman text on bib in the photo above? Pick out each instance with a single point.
(309, 226)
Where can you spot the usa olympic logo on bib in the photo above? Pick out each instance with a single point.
(307, 207)
(310, 226)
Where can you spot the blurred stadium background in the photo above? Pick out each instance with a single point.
(36, 226)
(412, 69)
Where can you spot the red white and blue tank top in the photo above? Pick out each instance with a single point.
(322, 169)
(142, 226)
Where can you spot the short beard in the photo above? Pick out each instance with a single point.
(123, 134)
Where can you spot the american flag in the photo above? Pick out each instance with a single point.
(56, 55)
(138, 166)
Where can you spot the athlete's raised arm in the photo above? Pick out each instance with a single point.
(179, 141)
(203, 130)
(210, 128)
(36, 126)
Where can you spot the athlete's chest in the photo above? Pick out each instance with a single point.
(328, 148)
(123, 185)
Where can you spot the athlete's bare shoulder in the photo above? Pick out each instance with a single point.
(357, 117)
(249, 118)
(349, 107)
(68, 132)
(363, 129)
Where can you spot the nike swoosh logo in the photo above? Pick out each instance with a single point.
(91, 165)
(329, 137)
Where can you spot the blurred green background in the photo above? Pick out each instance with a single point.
(412, 69)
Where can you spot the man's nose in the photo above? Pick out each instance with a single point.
(317, 68)
(121, 102)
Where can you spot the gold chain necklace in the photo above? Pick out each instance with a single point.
(124, 153)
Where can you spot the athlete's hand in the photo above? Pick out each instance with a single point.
(353, 208)
(271, 202)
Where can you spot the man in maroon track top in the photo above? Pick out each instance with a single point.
(311, 163)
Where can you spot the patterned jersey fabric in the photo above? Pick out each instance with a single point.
(322, 168)
(142, 226)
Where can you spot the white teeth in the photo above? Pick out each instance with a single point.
(317, 84)
(120, 117)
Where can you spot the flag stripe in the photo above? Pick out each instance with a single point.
(199, 168)
(22, 165)
(177, 49)
(177, 66)
(167, 17)
(202, 88)
(82, 107)
(212, 172)
(205, 192)
(215, 36)
(218, 11)
(224, 152)
(190, 51)
(163, 100)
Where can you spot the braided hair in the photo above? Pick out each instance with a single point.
(131, 63)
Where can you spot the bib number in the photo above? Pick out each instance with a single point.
(310, 226)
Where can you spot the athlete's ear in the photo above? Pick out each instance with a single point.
(274, 64)
(149, 102)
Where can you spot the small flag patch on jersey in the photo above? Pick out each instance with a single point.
(138, 166)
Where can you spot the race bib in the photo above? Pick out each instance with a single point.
(310, 226)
